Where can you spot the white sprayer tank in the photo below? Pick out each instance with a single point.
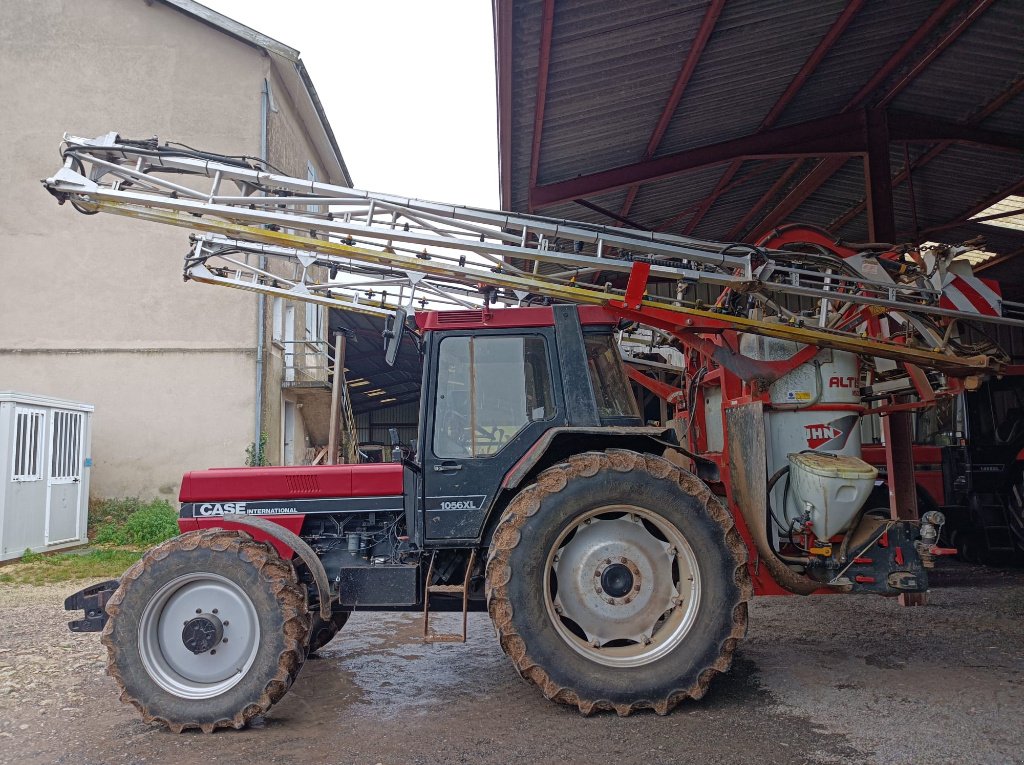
(815, 408)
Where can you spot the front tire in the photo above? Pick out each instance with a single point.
(207, 630)
(618, 581)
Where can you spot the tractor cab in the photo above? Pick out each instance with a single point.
(500, 388)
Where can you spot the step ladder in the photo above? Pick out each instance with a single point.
(996, 527)
(430, 636)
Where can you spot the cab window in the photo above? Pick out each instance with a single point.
(489, 389)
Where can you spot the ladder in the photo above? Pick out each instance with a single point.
(267, 232)
(429, 636)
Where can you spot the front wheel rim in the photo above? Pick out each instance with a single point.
(622, 586)
(199, 635)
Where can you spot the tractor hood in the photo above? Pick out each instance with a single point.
(240, 485)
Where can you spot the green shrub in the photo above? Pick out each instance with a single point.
(152, 524)
(130, 522)
(256, 455)
(112, 513)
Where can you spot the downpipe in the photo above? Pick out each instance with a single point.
(261, 299)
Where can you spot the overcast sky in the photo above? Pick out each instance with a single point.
(408, 87)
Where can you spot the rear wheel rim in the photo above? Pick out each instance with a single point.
(199, 635)
(622, 586)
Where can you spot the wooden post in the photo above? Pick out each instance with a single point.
(336, 393)
(899, 462)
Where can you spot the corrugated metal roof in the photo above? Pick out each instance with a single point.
(613, 66)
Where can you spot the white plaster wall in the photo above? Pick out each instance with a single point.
(94, 308)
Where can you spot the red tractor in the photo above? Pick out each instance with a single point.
(969, 463)
(615, 577)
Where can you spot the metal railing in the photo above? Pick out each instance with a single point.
(307, 361)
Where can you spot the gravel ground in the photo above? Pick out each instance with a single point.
(823, 680)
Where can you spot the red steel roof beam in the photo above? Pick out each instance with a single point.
(905, 50)
(543, 63)
(878, 177)
(840, 134)
(686, 71)
(990, 108)
(810, 66)
(810, 183)
(821, 173)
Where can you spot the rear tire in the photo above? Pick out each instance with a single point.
(207, 630)
(618, 581)
(323, 632)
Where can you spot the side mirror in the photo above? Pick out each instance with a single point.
(393, 336)
(396, 445)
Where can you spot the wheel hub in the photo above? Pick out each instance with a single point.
(615, 580)
(202, 633)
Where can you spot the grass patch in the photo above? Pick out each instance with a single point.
(114, 525)
(34, 568)
(133, 523)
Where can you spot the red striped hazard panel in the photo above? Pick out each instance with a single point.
(965, 292)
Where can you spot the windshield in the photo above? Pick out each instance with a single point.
(611, 386)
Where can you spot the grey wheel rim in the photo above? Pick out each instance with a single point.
(623, 586)
(199, 635)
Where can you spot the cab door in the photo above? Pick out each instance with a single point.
(492, 395)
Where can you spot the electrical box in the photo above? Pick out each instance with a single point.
(44, 469)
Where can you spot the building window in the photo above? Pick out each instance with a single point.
(28, 444)
(314, 323)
